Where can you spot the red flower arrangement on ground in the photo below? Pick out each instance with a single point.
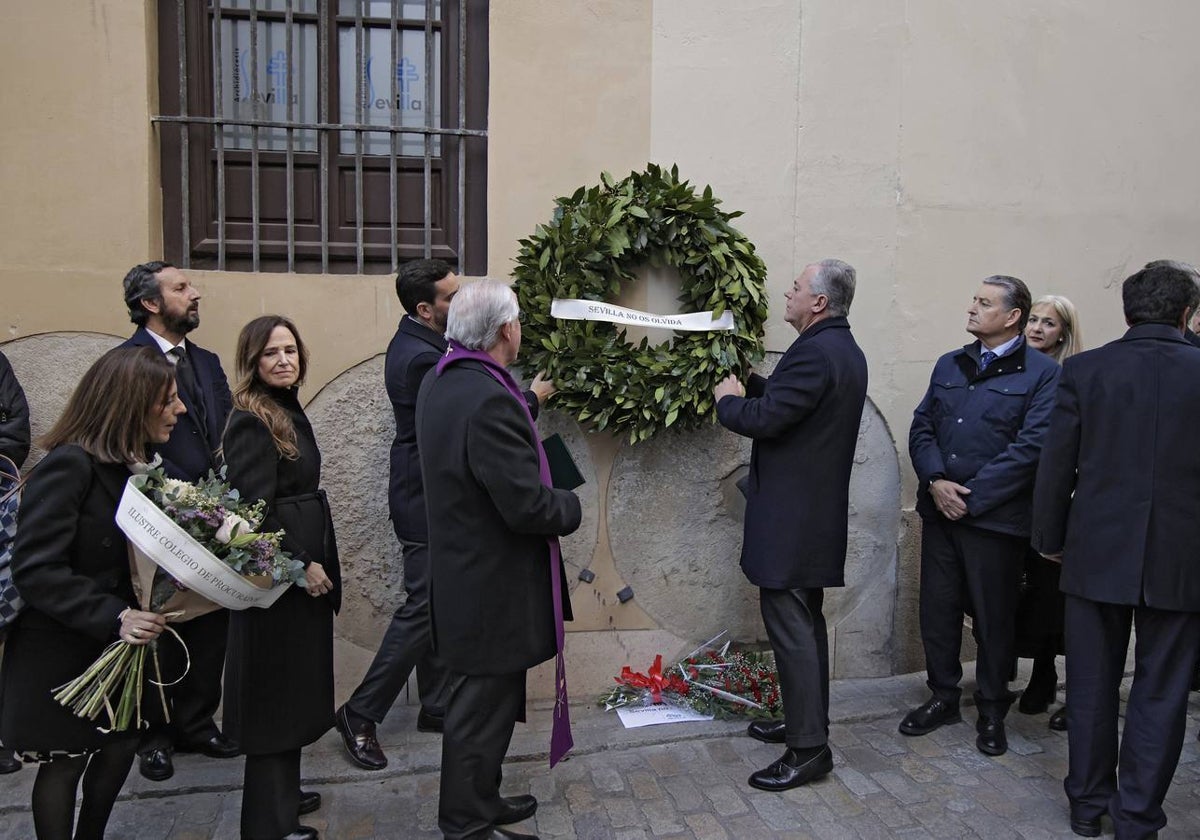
(711, 679)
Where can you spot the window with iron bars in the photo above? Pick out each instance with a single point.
(335, 136)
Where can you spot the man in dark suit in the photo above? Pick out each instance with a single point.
(1115, 499)
(498, 590)
(974, 444)
(804, 422)
(165, 306)
(425, 289)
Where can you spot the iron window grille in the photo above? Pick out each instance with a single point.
(323, 135)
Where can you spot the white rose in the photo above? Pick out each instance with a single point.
(231, 527)
(173, 488)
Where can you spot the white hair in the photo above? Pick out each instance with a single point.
(478, 312)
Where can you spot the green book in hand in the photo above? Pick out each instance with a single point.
(564, 473)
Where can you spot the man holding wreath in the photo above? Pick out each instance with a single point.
(804, 422)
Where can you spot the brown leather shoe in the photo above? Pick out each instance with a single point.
(362, 746)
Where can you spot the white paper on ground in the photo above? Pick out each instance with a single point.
(635, 716)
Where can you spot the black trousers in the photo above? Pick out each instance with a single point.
(406, 644)
(479, 726)
(963, 567)
(271, 795)
(195, 699)
(1129, 782)
(796, 627)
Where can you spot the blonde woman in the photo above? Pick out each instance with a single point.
(1053, 328)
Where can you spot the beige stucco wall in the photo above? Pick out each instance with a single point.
(928, 143)
(569, 96)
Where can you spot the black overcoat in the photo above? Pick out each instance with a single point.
(412, 353)
(491, 602)
(1119, 475)
(190, 452)
(279, 664)
(804, 421)
(71, 565)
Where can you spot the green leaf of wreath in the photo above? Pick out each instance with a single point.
(593, 243)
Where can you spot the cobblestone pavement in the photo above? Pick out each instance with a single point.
(675, 781)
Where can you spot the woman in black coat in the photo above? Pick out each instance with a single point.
(71, 565)
(279, 666)
(1053, 329)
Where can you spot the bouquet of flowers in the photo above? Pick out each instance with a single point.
(194, 549)
(214, 515)
(712, 679)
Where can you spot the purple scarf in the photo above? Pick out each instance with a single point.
(560, 736)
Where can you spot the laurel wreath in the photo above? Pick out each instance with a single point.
(595, 239)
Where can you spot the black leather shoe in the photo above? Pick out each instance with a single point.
(516, 809)
(304, 832)
(768, 731)
(361, 746)
(218, 746)
(156, 765)
(9, 763)
(429, 722)
(991, 740)
(924, 719)
(790, 771)
(310, 801)
(1058, 720)
(1085, 826)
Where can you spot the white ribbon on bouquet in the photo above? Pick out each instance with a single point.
(156, 536)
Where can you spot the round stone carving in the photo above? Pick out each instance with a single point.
(49, 366)
(352, 419)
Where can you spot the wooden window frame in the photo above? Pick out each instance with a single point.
(342, 252)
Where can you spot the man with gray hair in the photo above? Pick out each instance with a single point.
(804, 422)
(974, 444)
(498, 593)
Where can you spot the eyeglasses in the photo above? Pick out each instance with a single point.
(522, 317)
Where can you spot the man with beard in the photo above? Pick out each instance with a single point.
(165, 306)
(425, 289)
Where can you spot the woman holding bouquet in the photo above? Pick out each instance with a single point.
(279, 667)
(1053, 329)
(71, 565)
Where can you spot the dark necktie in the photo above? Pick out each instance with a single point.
(186, 378)
(986, 358)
